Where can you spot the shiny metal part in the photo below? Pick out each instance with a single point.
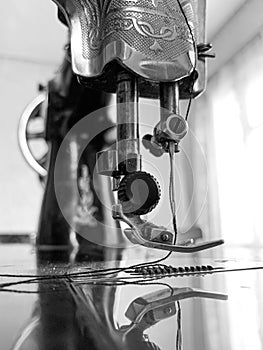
(126, 157)
(137, 235)
(31, 112)
(152, 233)
(107, 162)
(172, 127)
(154, 39)
(169, 99)
(151, 38)
(128, 142)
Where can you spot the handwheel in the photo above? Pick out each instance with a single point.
(31, 135)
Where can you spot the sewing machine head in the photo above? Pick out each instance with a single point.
(156, 40)
(141, 48)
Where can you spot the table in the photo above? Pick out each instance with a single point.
(49, 301)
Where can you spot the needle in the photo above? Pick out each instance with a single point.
(172, 195)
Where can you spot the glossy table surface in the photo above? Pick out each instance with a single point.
(49, 301)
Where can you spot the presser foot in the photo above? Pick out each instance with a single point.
(156, 237)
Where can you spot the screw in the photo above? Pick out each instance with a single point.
(168, 310)
(165, 237)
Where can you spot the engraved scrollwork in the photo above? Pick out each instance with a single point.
(137, 32)
(146, 29)
(93, 12)
(117, 24)
(108, 17)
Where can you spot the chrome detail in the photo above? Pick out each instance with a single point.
(107, 162)
(173, 128)
(24, 136)
(151, 38)
(137, 235)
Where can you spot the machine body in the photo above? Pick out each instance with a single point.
(139, 48)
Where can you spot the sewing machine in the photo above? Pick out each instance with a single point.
(136, 48)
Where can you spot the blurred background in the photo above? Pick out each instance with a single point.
(226, 122)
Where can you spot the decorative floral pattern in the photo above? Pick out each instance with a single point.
(150, 22)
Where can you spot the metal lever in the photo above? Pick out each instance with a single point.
(135, 235)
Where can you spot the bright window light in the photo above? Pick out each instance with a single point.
(231, 162)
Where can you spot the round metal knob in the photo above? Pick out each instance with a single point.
(173, 128)
(139, 193)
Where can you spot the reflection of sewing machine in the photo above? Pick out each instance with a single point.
(155, 306)
(72, 316)
(136, 48)
(147, 311)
